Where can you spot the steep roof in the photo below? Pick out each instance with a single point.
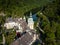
(22, 22)
(26, 39)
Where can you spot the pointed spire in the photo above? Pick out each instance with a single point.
(30, 14)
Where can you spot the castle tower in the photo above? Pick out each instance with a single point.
(30, 22)
(24, 18)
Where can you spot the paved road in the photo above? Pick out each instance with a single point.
(39, 27)
(3, 39)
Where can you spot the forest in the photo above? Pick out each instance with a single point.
(50, 19)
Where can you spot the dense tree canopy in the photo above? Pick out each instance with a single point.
(19, 7)
(51, 11)
(50, 23)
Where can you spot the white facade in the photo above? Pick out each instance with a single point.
(31, 22)
(11, 25)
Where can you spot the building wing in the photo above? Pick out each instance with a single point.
(26, 39)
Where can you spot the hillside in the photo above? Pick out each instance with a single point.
(19, 7)
(48, 14)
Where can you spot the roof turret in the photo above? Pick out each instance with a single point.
(30, 14)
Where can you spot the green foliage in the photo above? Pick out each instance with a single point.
(52, 26)
(50, 17)
(52, 11)
(10, 37)
(19, 7)
(1, 39)
(58, 32)
(2, 20)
